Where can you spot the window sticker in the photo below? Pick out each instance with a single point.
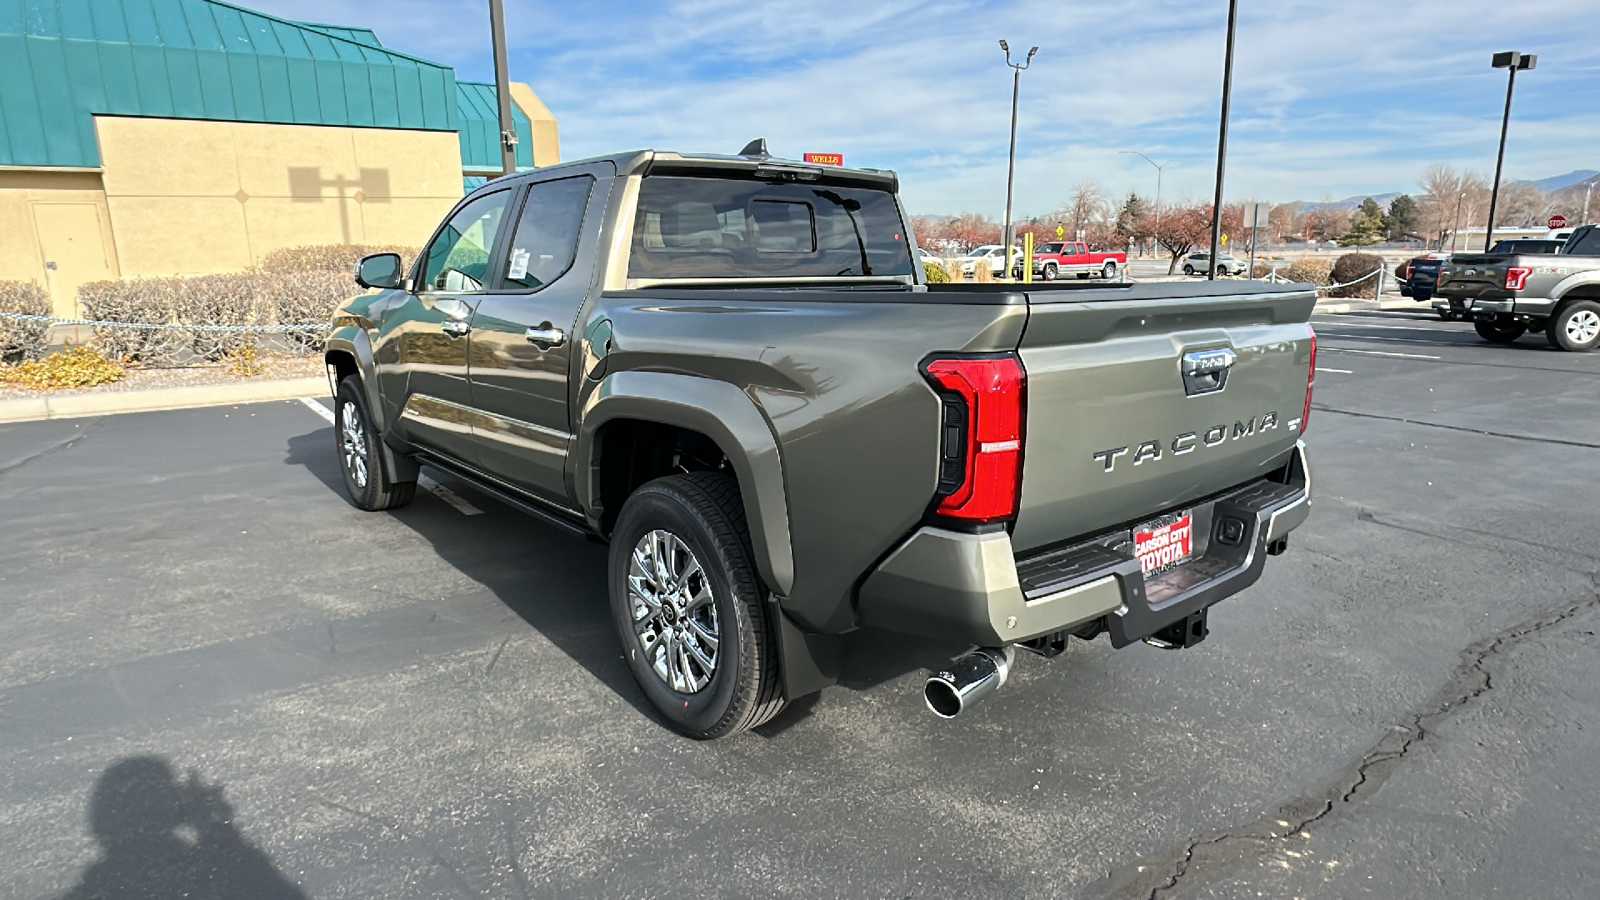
(519, 263)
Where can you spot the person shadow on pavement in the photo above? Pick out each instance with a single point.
(165, 838)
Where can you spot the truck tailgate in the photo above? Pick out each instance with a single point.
(1117, 433)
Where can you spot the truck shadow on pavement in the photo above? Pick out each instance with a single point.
(557, 585)
(163, 838)
(552, 581)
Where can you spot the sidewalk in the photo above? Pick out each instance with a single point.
(76, 405)
(1335, 306)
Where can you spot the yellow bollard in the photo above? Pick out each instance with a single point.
(1027, 258)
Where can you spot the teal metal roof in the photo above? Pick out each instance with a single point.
(479, 123)
(360, 35)
(62, 61)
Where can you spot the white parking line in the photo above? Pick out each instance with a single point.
(1337, 371)
(455, 500)
(1337, 325)
(318, 408)
(1380, 353)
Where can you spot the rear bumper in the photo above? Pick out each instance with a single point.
(971, 588)
(1519, 306)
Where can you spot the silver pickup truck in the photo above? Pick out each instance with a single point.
(729, 369)
(1508, 295)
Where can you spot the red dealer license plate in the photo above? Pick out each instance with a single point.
(1163, 544)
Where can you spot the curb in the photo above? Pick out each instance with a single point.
(1346, 306)
(71, 406)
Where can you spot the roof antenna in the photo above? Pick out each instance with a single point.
(757, 147)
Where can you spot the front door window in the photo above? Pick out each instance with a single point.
(458, 259)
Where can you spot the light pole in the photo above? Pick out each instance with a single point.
(1159, 167)
(1456, 229)
(1222, 144)
(1515, 62)
(502, 89)
(1584, 219)
(1011, 162)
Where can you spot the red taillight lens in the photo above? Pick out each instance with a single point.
(1311, 380)
(1516, 277)
(981, 436)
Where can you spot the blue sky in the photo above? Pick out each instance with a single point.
(1331, 99)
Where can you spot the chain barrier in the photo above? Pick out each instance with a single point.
(150, 326)
(1274, 278)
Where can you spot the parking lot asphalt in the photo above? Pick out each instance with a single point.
(430, 702)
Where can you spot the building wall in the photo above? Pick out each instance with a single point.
(191, 196)
(55, 230)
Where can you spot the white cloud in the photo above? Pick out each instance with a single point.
(1330, 99)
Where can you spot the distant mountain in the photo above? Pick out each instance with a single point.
(1557, 182)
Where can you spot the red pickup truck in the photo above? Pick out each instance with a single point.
(1057, 258)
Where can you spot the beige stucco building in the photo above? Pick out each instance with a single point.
(352, 144)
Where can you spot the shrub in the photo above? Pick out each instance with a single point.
(981, 273)
(78, 366)
(329, 257)
(1351, 266)
(1311, 269)
(1261, 270)
(934, 273)
(22, 341)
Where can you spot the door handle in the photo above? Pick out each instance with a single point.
(454, 328)
(547, 334)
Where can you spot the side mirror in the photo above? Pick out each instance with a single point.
(380, 270)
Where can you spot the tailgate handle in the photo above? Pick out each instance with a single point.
(1206, 371)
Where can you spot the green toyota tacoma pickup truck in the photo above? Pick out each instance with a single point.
(729, 368)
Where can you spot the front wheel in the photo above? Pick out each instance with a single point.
(1575, 328)
(1188, 270)
(369, 486)
(1109, 272)
(1498, 332)
(1049, 272)
(690, 608)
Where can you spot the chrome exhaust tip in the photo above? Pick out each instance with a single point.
(968, 679)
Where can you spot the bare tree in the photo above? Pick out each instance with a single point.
(1182, 229)
(1089, 205)
(1522, 205)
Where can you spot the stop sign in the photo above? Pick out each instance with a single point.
(1557, 222)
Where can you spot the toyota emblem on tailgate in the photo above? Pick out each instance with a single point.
(1206, 371)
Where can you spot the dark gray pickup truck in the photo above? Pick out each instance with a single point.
(729, 368)
(1509, 294)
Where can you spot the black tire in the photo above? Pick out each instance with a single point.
(1109, 271)
(743, 688)
(360, 458)
(1496, 332)
(1188, 270)
(1575, 327)
(1049, 273)
(1446, 315)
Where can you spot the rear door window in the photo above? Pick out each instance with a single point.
(1585, 243)
(700, 228)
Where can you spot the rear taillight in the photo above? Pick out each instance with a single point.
(980, 468)
(1311, 380)
(1516, 277)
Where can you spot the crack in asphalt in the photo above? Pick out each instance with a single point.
(1500, 434)
(1495, 539)
(55, 448)
(1472, 679)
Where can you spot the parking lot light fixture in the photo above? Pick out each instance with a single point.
(1011, 160)
(1159, 167)
(1222, 144)
(1514, 62)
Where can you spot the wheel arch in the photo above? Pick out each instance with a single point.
(1578, 286)
(349, 352)
(637, 405)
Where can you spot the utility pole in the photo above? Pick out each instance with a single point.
(1456, 229)
(502, 88)
(1516, 62)
(1011, 161)
(1222, 145)
(1584, 219)
(1159, 167)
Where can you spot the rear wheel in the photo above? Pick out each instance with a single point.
(1497, 331)
(1188, 270)
(360, 458)
(690, 609)
(1576, 327)
(1109, 272)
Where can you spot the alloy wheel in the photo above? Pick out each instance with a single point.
(353, 443)
(674, 612)
(1583, 327)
